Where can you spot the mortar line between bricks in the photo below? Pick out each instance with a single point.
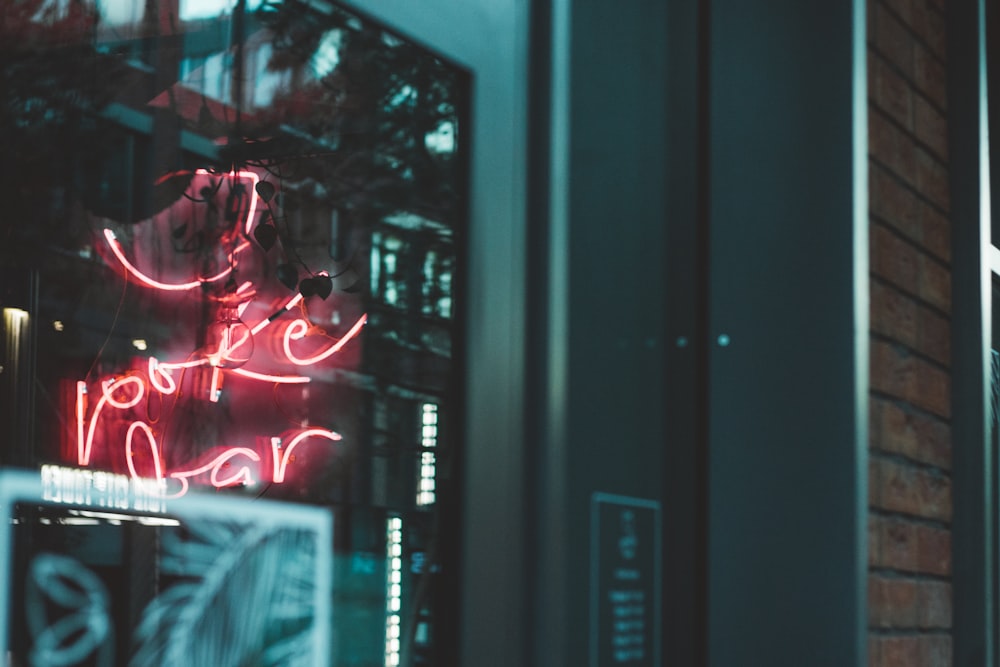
(909, 406)
(896, 457)
(940, 365)
(913, 518)
(895, 573)
(885, 282)
(917, 37)
(885, 222)
(942, 160)
(873, 48)
(910, 242)
(940, 210)
(909, 632)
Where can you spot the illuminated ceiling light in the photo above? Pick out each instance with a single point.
(138, 343)
(15, 314)
(58, 325)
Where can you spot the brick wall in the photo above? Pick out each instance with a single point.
(909, 585)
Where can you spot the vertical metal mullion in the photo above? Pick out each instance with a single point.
(788, 366)
(974, 557)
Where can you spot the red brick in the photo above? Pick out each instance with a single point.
(929, 76)
(932, 178)
(892, 370)
(903, 431)
(898, 543)
(934, 650)
(930, 126)
(894, 314)
(933, 550)
(892, 602)
(894, 259)
(932, 389)
(890, 91)
(934, 335)
(874, 541)
(888, 144)
(898, 487)
(893, 544)
(935, 230)
(902, 8)
(895, 371)
(929, 23)
(899, 651)
(934, 607)
(894, 202)
(935, 283)
(934, 493)
(893, 40)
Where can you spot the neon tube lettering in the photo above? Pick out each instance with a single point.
(84, 447)
(281, 458)
(153, 449)
(297, 330)
(215, 466)
(265, 377)
(119, 253)
(116, 248)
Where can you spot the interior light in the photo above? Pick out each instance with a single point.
(15, 314)
(137, 343)
(58, 325)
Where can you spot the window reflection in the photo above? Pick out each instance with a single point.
(241, 259)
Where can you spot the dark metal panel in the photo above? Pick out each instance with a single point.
(600, 421)
(973, 501)
(789, 298)
(686, 401)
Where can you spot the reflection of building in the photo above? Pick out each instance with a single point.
(729, 270)
(164, 215)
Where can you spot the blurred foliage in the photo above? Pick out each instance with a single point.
(358, 129)
(362, 127)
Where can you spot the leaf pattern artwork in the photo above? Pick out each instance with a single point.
(241, 596)
(82, 626)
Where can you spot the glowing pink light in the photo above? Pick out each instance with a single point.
(297, 330)
(215, 466)
(153, 449)
(81, 410)
(265, 377)
(180, 287)
(260, 326)
(157, 374)
(160, 373)
(116, 248)
(281, 458)
(108, 389)
(215, 390)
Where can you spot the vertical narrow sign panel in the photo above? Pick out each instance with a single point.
(625, 581)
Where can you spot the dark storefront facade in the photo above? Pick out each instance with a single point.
(231, 322)
(495, 332)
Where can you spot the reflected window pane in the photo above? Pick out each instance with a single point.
(233, 239)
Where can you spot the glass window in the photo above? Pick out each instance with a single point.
(229, 262)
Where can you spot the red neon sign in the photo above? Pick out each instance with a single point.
(121, 397)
